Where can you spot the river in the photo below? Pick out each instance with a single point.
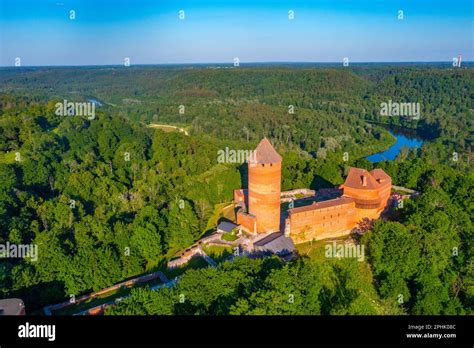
(404, 137)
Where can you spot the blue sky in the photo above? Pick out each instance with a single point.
(150, 31)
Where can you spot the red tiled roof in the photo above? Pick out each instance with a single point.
(380, 176)
(265, 153)
(361, 179)
(324, 204)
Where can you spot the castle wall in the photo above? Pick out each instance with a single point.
(321, 223)
(264, 195)
(337, 217)
(248, 222)
(241, 197)
(385, 194)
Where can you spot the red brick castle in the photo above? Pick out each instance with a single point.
(364, 196)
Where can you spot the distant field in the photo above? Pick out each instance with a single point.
(167, 128)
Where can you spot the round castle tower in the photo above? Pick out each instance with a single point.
(264, 187)
(370, 190)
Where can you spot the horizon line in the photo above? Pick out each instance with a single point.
(232, 64)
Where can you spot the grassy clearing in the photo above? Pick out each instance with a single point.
(216, 215)
(229, 237)
(7, 157)
(168, 128)
(315, 250)
(228, 212)
(196, 262)
(217, 252)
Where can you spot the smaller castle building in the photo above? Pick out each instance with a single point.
(365, 196)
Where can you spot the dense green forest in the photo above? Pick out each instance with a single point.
(418, 264)
(331, 105)
(87, 190)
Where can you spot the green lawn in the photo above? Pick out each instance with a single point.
(8, 157)
(315, 250)
(229, 237)
(217, 252)
(195, 263)
(216, 215)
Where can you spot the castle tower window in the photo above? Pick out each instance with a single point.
(364, 180)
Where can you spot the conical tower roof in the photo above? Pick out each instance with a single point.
(266, 153)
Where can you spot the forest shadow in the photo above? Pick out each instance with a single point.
(38, 296)
(244, 175)
(319, 182)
